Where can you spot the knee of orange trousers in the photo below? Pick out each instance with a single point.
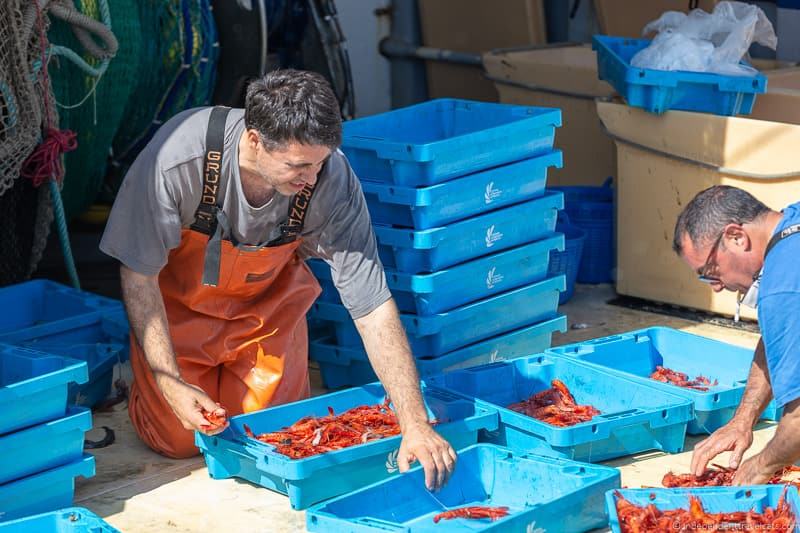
(158, 427)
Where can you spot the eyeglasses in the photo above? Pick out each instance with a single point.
(707, 272)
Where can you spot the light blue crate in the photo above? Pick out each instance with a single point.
(69, 520)
(414, 252)
(633, 417)
(428, 294)
(45, 306)
(714, 500)
(348, 366)
(33, 386)
(44, 446)
(461, 198)
(435, 141)
(438, 334)
(317, 478)
(541, 493)
(637, 353)
(47, 491)
(660, 90)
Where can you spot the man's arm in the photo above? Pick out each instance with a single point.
(390, 356)
(737, 435)
(782, 450)
(148, 320)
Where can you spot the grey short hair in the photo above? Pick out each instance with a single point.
(704, 218)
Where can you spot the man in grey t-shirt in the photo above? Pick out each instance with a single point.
(211, 226)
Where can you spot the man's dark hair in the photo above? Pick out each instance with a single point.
(293, 106)
(704, 218)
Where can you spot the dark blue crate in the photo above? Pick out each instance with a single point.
(637, 353)
(414, 252)
(435, 141)
(428, 294)
(348, 366)
(438, 334)
(47, 306)
(660, 90)
(438, 205)
(714, 500)
(33, 386)
(568, 261)
(317, 478)
(46, 491)
(69, 520)
(100, 358)
(633, 417)
(44, 446)
(540, 493)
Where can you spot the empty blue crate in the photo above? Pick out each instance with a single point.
(714, 500)
(42, 307)
(661, 90)
(427, 294)
(69, 520)
(46, 491)
(348, 365)
(633, 417)
(636, 355)
(33, 386)
(44, 446)
(417, 251)
(465, 197)
(317, 478)
(541, 493)
(435, 141)
(438, 334)
(100, 358)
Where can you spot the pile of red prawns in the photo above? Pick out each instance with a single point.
(679, 379)
(720, 476)
(555, 406)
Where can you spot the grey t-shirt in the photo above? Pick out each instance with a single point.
(162, 189)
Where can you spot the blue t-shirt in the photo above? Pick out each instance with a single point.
(779, 311)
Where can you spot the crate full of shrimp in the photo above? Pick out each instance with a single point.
(560, 406)
(325, 446)
(756, 508)
(710, 373)
(492, 489)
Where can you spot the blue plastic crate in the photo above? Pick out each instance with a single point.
(538, 491)
(438, 205)
(637, 353)
(33, 386)
(100, 358)
(633, 417)
(46, 305)
(428, 294)
(435, 141)
(438, 334)
(47, 491)
(317, 478)
(414, 252)
(348, 366)
(660, 90)
(714, 500)
(568, 261)
(69, 520)
(44, 446)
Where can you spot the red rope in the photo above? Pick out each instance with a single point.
(44, 163)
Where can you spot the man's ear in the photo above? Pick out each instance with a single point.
(737, 237)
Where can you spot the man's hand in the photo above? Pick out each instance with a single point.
(188, 403)
(437, 457)
(734, 436)
(752, 472)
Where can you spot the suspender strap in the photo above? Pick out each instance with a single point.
(291, 229)
(205, 220)
(778, 237)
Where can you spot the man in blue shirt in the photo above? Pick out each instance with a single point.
(735, 242)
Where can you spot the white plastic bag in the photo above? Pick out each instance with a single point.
(706, 42)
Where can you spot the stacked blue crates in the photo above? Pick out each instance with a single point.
(56, 319)
(465, 229)
(41, 436)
